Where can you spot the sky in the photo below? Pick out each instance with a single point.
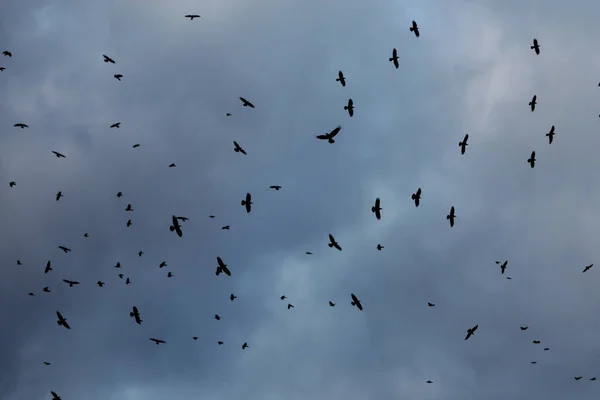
(470, 71)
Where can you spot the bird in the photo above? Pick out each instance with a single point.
(536, 342)
(86, 235)
(58, 155)
(135, 146)
(136, 315)
(471, 331)
(140, 253)
(162, 264)
(283, 297)
(531, 159)
(107, 59)
(502, 265)
(183, 218)
(550, 135)
(587, 268)
(55, 396)
(451, 216)
(246, 103)
(329, 136)
(211, 216)
(534, 362)
(379, 247)
(129, 208)
(192, 16)
(19, 262)
(414, 28)
(129, 223)
(119, 194)
(46, 363)
(175, 226)
(533, 102)
(116, 125)
(341, 79)
(65, 249)
(463, 144)
(157, 341)
(276, 187)
(62, 321)
(376, 209)
(2, 68)
(118, 265)
(546, 348)
(118, 77)
(70, 283)
(416, 197)
(308, 252)
(170, 274)
(225, 228)
(248, 202)
(127, 281)
(428, 381)
(59, 195)
(431, 304)
(524, 328)
(332, 243)
(48, 267)
(7, 53)
(356, 302)
(394, 58)
(195, 337)
(245, 345)
(536, 46)
(350, 107)
(46, 289)
(232, 297)
(121, 276)
(217, 317)
(290, 306)
(172, 165)
(21, 125)
(237, 148)
(222, 267)
(578, 378)
(100, 283)
(331, 304)
(11, 184)
(219, 343)
(593, 379)
(228, 115)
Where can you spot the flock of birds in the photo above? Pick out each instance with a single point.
(247, 203)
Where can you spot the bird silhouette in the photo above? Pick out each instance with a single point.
(341, 79)
(247, 202)
(550, 135)
(329, 136)
(118, 77)
(531, 159)
(246, 103)
(416, 197)
(536, 46)
(192, 16)
(414, 28)
(394, 58)
(350, 107)
(450, 217)
(107, 59)
(533, 102)
(376, 209)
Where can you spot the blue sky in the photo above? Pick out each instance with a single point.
(471, 71)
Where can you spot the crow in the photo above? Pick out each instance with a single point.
(551, 135)
(341, 79)
(463, 144)
(107, 59)
(416, 197)
(533, 102)
(246, 103)
(329, 136)
(531, 159)
(350, 107)
(192, 16)
(118, 77)
(414, 28)
(394, 58)
(536, 46)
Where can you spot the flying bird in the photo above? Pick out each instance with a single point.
(578, 378)
(2, 68)
(162, 264)
(341, 79)
(170, 274)
(129, 223)
(431, 304)
(59, 195)
(290, 306)
(107, 59)
(46, 363)
(232, 297)
(551, 135)
(65, 249)
(533, 102)
(118, 77)
(192, 16)
(172, 165)
(48, 267)
(379, 247)
(248, 202)
(157, 341)
(116, 125)
(225, 228)
(451, 216)
(536, 342)
(58, 155)
(62, 321)
(7, 53)
(587, 267)
(135, 146)
(524, 328)
(471, 331)
(246, 103)
(222, 267)
(11, 184)
(463, 144)
(100, 283)
(140, 253)
(416, 197)
(276, 187)
(536, 46)
(414, 28)
(329, 136)
(217, 317)
(502, 265)
(71, 283)
(127, 281)
(245, 345)
(21, 125)
(331, 304)
(531, 159)
(376, 209)
(175, 226)
(136, 314)
(129, 208)
(55, 396)
(332, 243)
(183, 218)
(283, 297)
(356, 302)
(350, 107)
(394, 58)
(46, 289)
(237, 148)
(119, 194)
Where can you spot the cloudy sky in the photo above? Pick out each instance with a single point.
(470, 71)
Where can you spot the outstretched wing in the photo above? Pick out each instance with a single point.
(323, 137)
(331, 238)
(334, 132)
(359, 305)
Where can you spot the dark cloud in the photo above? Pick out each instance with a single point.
(471, 71)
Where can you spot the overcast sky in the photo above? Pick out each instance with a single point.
(470, 71)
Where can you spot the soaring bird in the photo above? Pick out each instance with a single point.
(332, 243)
(222, 267)
(65, 249)
(157, 341)
(329, 136)
(376, 209)
(463, 144)
(276, 187)
(414, 28)
(58, 155)
(356, 302)
(502, 265)
(246, 103)
(587, 267)
(107, 59)
(341, 79)
(536, 46)
(551, 135)
(394, 58)
(11, 184)
(471, 331)
(192, 16)
(237, 148)
(55, 396)
(350, 107)
(118, 76)
(450, 217)
(7, 53)
(62, 321)
(248, 202)
(59, 195)
(531, 159)
(416, 197)
(48, 267)
(21, 125)
(533, 102)
(116, 125)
